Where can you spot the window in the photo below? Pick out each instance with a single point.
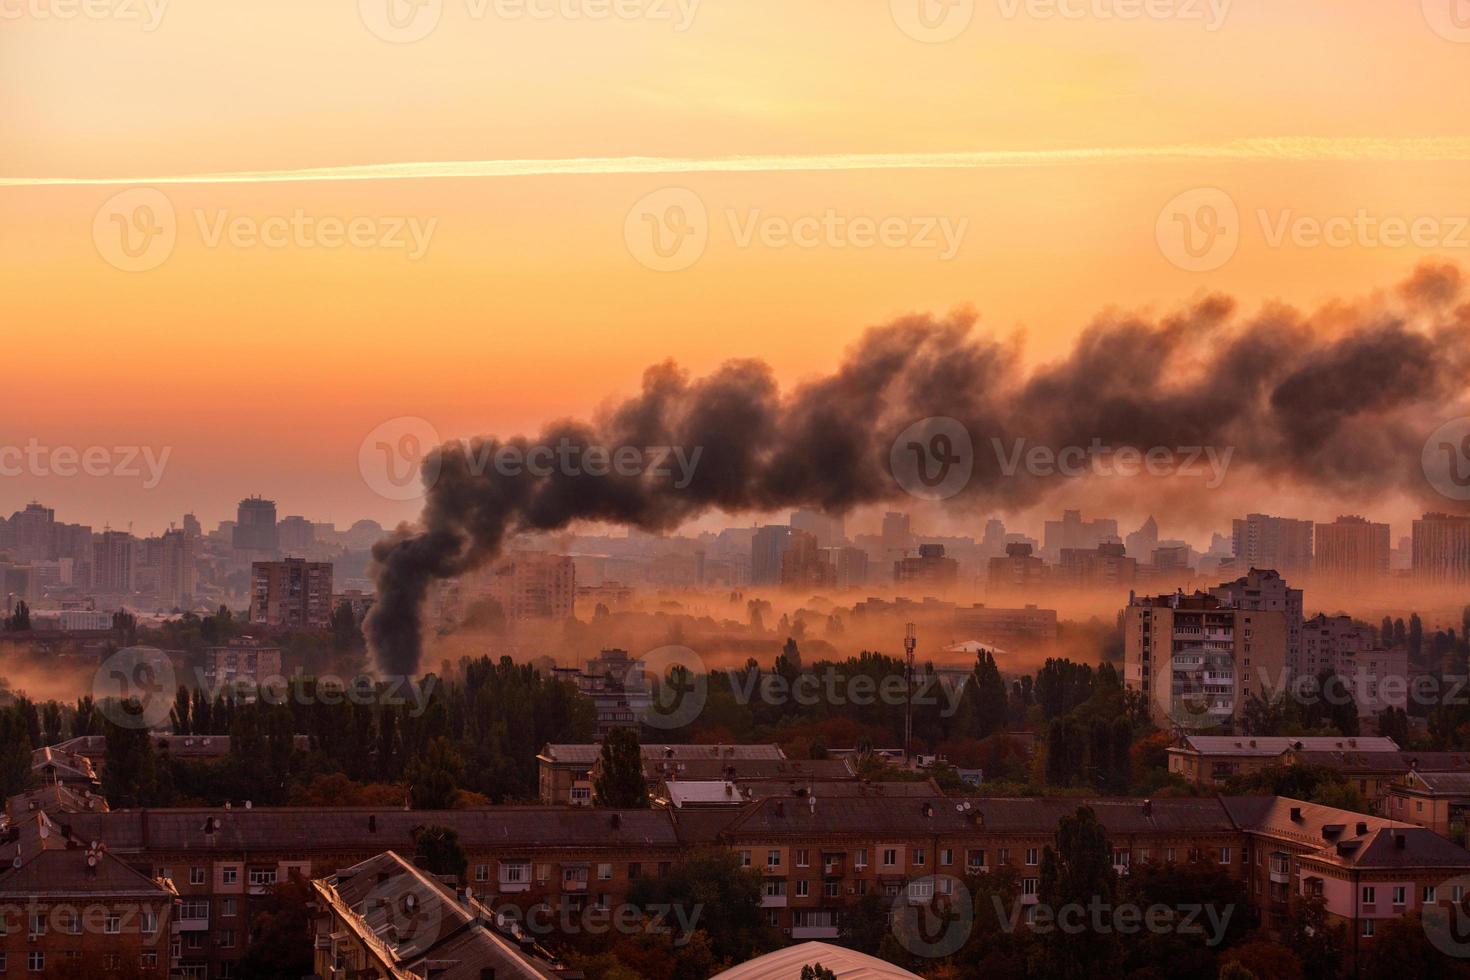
(581, 794)
(1367, 928)
(165, 872)
(977, 858)
(1144, 854)
(38, 924)
(1429, 898)
(515, 872)
(922, 890)
(1370, 895)
(831, 889)
(112, 925)
(196, 876)
(71, 923)
(946, 857)
(1120, 858)
(890, 857)
(801, 858)
(230, 876)
(150, 922)
(194, 940)
(36, 962)
(1030, 857)
(604, 872)
(1399, 894)
(1457, 892)
(1224, 855)
(773, 918)
(149, 959)
(919, 856)
(802, 888)
(862, 859)
(774, 888)
(227, 939)
(1003, 856)
(3, 964)
(745, 859)
(260, 877)
(1169, 855)
(635, 868)
(226, 907)
(1029, 886)
(773, 859)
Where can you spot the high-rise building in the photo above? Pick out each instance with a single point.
(1142, 543)
(292, 593)
(1376, 678)
(255, 527)
(898, 535)
(32, 533)
(1267, 591)
(113, 558)
(1263, 541)
(1442, 548)
(766, 550)
(533, 585)
(295, 536)
(1019, 571)
(1106, 566)
(804, 563)
(176, 567)
(1073, 532)
(192, 526)
(828, 529)
(929, 567)
(851, 566)
(1350, 550)
(1198, 660)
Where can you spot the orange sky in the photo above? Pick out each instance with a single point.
(263, 368)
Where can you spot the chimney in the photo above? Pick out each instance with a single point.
(1296, 814)
(1362, 828)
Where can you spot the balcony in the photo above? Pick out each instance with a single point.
(773, 900)
(814, 932)
(834, 866)
(1280, 870)
(198, 922)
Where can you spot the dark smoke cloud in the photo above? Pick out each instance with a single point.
(1340, 400)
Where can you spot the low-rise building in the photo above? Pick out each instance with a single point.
(1436, 800)
(566, 771)
(1210, 760)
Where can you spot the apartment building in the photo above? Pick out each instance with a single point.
(1018, 571)
(1376, 678)
(292, 593)
(1263, 541)
(223, 861)
(1441, 548)
(929, 567)
(384, 917)
(1198, 660)
(1430, 796)
(532, 585)
(71, 906)
(1350, 551)
(566, 771)
(1266, 590)
(1211, 760)
(1010, 629)
(244, 659)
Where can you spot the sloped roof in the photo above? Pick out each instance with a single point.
(786, 964)
(1442, 782)
(372, 829)
(588, 753)
(1272, 745)
(1384, 761)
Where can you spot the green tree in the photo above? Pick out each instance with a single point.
(816, 971)
(438, 851)
(1309, 933)
(130, 769)
(434, 775)
(15, 753)
(19, 621)
(1402, 949)
(620, 782)
(1078, 872)
(282, 934)
(726, 897)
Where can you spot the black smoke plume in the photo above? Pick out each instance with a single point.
(1341, 399)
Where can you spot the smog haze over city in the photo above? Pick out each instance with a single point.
(692, 488)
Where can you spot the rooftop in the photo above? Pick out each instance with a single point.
(1245, 745)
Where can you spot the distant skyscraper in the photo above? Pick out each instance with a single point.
(112, 562)
(32, 533)
(1142, 543)
(766, 549)
(1442, 548)
(897, 534)
(1350, 550)
(804, 564)
(1075, 533)
(1263, 541)
(192, 526)
(255, 527)
(295, 536)
(176, 570)
(534, 585)
(828, 530)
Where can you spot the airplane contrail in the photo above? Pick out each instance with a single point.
(1259, 149)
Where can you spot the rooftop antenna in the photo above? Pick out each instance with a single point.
(910, 640)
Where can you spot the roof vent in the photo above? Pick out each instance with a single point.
(1148, 808)
(1362, 828)
(1332, 831)
(1400, 841)
(1296, 814)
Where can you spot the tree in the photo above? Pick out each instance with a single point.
(439, 852)
(620, 782)
(1319, 944)
(125, 625)
(816, 971)
(713, 881)
(1259, 960)
(346, 634)
(1416, 636)
(1402, 949)
(1385, 633)
(1394, 723)
(433, 776)
(282, 934)
(15, 753)
(20, 620)
(179, 716)
(130, 771)
(1078, 872)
